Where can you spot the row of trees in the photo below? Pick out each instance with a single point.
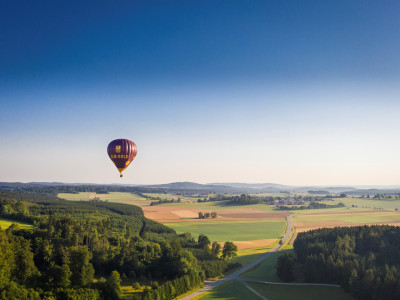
(312, 205)
(364, 260)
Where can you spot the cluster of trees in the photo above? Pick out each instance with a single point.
(312, 205)
(364, 260)
(243, 199)
(172, 288)
(72, 241)
(386, 197)
(208, 215)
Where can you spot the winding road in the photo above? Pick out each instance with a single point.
(235, 275)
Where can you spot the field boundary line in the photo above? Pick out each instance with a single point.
(235, 275)
(251, 289)
(294, 283)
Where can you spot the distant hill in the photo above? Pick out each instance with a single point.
(276, 188)
(193, 187)
(255, 185)
(371, 192)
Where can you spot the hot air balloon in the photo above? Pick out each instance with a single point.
(121, 152)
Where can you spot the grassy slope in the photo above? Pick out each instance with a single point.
(246, 256)
(230, 290)
(360, 205)
(355, 218)
(369, 203)
(283, 292)
(5, 223)
(222, 231)
(265, 271)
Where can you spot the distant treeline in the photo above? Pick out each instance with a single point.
(318, 192)
(54, 189)
(312, 205)
(364, 260)
(75, 189)
(72, 241)
(385, 197)
(243, 199)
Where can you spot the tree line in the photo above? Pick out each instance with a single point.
(312, 205)
(73, 241)
(364, 260)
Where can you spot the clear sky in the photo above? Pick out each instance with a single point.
(292, 92)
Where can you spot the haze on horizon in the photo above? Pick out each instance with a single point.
(293, 92)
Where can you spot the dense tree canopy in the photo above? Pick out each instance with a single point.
(364, 260)
(73, 241)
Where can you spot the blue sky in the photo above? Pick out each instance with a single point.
(295, 92)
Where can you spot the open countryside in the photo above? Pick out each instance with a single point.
(256, 228)
(177, 150)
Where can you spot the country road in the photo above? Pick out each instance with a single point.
(234, 276)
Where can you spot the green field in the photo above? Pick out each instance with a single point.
(292, 292)
(5, 223)
(229, 291)
(222, 231)
(369, 204)
(167, 196)
(265, 271)
(246, 256)
(126, 198)
(355, 218)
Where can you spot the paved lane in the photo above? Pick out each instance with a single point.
(234, 276)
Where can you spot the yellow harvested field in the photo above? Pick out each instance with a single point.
(171, 214)
(302, 226)
(251, 213)
(252, 244)
(100, 196)
(325, 214)
(187, 214)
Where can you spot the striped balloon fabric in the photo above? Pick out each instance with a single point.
(122, 152)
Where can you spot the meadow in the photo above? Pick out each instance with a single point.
(5, 223)
(265, 271)
(126, 198)
(234, 290)
(356, 218)
(295, 292)
(365, 203)
(221, 231)
(228, 291)
(246, 256)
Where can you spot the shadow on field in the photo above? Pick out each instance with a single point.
(265, 270)
(231, 290)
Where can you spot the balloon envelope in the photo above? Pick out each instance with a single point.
(122, 152)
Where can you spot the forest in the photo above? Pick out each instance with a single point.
(82, 250)
(364, 260)
(312, 205)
